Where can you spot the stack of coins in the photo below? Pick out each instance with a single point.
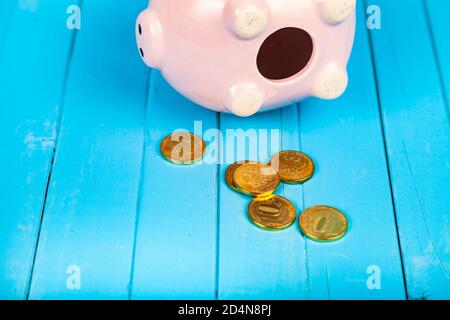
(259, 180)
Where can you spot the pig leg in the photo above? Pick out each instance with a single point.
(331, 82)
(337, 11)
(244, 99)
(246, 18)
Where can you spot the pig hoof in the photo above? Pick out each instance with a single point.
(247, 19)
(250, 22)
(337, 11)
(331, 83)
(244, 100)
(149, 36)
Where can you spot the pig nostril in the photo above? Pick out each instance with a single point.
(142, 52)
(140, 29)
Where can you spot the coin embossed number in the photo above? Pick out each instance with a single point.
(323, 223)
(272, 213)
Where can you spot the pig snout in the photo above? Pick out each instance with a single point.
(149, 38)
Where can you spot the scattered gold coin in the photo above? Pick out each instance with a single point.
(230, 172)
(272, 213)
(293, 167)
(183, 148)
(256, 179)
(323, 223)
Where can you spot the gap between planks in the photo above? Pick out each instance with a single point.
(60, 111)
(386, 155)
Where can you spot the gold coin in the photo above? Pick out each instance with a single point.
(293, 167)
(230, 172)
(272, 213)
(256, 179)
(183, 148)
(323, 223)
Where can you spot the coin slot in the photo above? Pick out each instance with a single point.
(140, 29)
(285, 53)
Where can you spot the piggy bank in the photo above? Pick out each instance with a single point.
(246, 56)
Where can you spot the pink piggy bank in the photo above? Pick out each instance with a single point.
(245, 56)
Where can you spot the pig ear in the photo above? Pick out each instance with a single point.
(247, 19)
(336, 11)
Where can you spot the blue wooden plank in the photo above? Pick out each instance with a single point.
(7, 8)
(417, 132)
(176, 237)
(32, 70)
(89, 221)
(344, 138)
(438, 20)
(256, 263)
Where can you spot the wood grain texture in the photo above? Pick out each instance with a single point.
(32, 73)
(417, 133)
(255, 263)
(176, 236)
(90, 213)
(437, 15)
(345, 138)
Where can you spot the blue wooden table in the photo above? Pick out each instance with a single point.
(90, 210)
